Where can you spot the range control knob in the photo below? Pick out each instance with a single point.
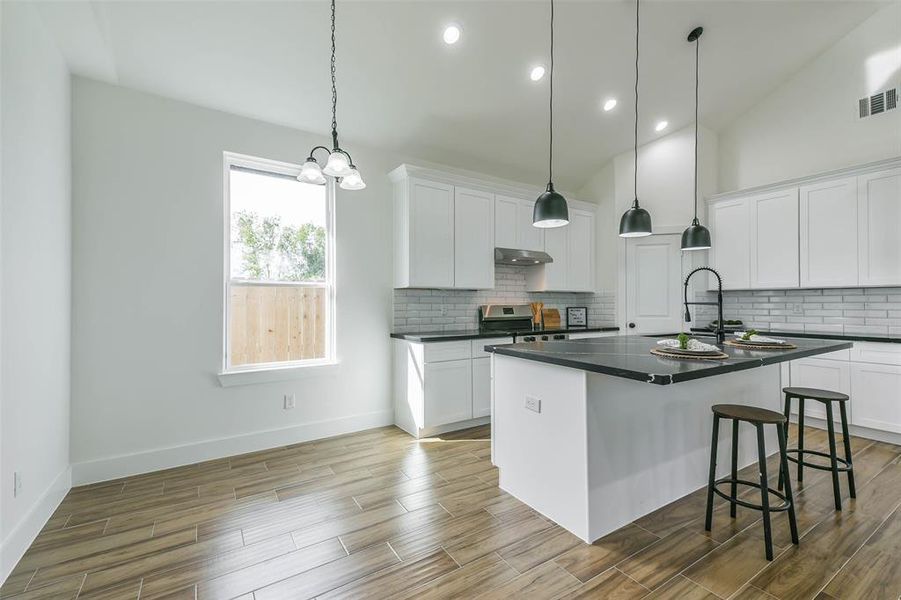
(559, 336)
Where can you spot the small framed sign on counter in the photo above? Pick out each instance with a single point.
(576, 316)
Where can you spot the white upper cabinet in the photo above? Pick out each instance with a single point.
(447, 225)
(528, 237)
(828, 233)
(431, 234)
(879, 228)
(731, 243)
(513, 224)
(773, 236)
(573, 248)
(580, 253)
(553, 275)
(506, 214)
(474, 239)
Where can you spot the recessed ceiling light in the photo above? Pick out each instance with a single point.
(661, 125)
(536, 73)
(610, 104)
(452, 33)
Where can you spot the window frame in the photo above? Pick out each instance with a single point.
(273, 371)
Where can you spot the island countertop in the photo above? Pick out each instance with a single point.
(629, 356)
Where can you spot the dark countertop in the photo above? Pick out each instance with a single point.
(471, 334)
(630, 357)
(850, 337)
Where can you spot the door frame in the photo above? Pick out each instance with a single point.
(695, 259)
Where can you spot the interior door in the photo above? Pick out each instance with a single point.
(653, 284)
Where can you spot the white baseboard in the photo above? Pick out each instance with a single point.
(23, 534)
(127, 465)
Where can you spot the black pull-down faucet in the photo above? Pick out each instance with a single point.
(720, 325)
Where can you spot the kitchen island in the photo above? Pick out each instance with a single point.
(596, 433)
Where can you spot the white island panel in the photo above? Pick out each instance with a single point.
(605, 450)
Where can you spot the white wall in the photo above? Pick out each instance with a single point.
(666, 177)
(810, 123)
(147, 290)
(35, 269)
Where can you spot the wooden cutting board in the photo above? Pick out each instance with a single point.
(551, 318)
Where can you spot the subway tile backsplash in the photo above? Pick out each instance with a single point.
(452, 310)
(847, 310)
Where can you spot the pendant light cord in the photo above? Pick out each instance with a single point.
(334, 87)
(697, 83)
(635, 184)
(550, 158)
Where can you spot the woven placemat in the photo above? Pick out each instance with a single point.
(756, 347)
(720, 356)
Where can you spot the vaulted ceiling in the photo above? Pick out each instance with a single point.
(472, 104)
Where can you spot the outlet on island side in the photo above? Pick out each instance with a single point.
(533, 404)
(17, 484)
(289, 401)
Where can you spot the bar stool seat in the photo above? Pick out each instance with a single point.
(758, 417)
(815, 394)
(796, 455)
(751, 414)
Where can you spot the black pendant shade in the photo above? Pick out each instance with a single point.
(635, 222)
(550, 209)
(696, 237)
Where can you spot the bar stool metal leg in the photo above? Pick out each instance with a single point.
(764, 493)
(734, 486)
(830, 426)
(800, 440)
(783, 468)
(786, 412)
(708, 521)
(847, 440)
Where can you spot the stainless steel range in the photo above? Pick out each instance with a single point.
(514, 320)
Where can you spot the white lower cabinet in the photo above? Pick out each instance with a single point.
(870, 373)
(448, 392)
(832, 375)
(481, 387)
(877, 396)
(442, 386)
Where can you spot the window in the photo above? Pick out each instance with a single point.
(279, 267)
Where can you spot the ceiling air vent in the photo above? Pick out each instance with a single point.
(878, 103)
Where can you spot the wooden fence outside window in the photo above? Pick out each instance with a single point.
(276, 322)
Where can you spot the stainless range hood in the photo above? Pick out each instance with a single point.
(522, 258)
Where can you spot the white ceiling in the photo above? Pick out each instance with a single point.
(471, 105)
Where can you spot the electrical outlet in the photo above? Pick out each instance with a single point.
(17, 483)
(289, 401)
(533, 404)
(444, 310)
(797, 309)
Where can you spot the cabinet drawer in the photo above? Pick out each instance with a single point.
(478, 346)
(442, 351)
(875, 352)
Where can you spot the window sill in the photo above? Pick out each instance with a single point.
(270, 374)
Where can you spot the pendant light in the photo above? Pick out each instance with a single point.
(339, 164)
(635, 222)
(550, 207)
(696, 237)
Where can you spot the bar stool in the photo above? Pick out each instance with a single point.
(758, 417)
(836, 465)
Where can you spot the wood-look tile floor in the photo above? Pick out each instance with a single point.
(377, 514)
